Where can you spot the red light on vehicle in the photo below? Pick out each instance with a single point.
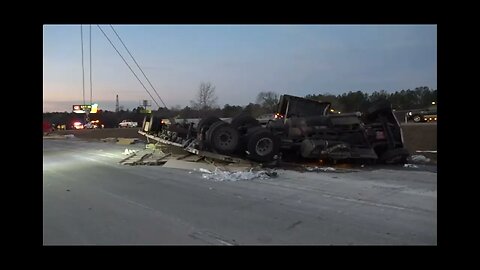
(78, 125)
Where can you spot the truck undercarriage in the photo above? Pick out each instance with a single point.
(303, 130)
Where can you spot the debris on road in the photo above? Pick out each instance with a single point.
(129, 151)
(418, 159)
(341, 168)
(320, 169)
(204, 170)
(426, 151)
(126, 141)
(221, 175)
(410, 166)
(109, 139)
(150, 146)
(188, 165)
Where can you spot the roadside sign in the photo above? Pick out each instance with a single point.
(84, 108)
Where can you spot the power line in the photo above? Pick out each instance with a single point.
(127, 65)
(91, 64)
(83, 69)
(125, 46)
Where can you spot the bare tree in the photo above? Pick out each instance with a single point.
(206, 98)
(268, 100)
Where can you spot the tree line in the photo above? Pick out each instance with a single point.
(205, 103)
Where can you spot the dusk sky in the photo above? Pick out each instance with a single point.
(240, 60)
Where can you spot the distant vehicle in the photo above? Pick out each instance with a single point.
(78, 125)
(127, 124)
(426, 115)
(266, 118)
(94, 124)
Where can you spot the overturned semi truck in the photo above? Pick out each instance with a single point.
(303, 129)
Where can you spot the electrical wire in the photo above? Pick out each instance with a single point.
(83, 69)
(125, 46)
(91, 89)
(128, 65)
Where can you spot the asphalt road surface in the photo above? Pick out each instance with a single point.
(90, 199)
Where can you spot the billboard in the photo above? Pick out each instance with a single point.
(84, 108)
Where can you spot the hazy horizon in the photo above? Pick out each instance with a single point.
(240, 60)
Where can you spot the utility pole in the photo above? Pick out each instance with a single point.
(117, 105)
(145, 104)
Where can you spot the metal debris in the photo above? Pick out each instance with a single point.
(220, 175)
(320, 169)
(407, 165)
(418, 159)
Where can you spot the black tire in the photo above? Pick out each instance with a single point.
(222, 138)
(206, 122)
(417, 118)
(394, 156)
(208, 133)
(244, 121)
(262, 145)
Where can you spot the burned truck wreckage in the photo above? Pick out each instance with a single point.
(303, 129)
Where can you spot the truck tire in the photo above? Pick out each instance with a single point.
(262, 145)
(208, 133)
(394, 156)
(222, 138)
(245, 121)
(206, 122)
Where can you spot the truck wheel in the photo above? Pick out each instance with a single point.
(223, 138)
(208, 133)
(244, 121)
(394, 156)
(262, 145)
(417, 118)
(206, 122)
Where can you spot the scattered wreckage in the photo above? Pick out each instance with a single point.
(302, 130)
